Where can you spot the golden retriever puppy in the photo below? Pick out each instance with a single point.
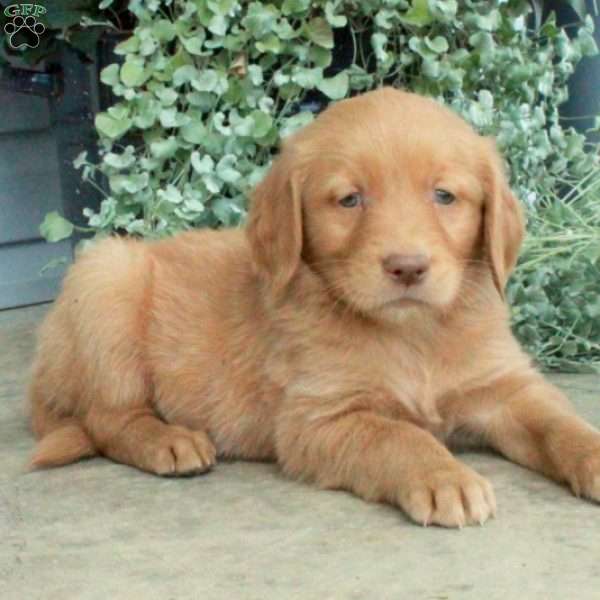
(351, 329)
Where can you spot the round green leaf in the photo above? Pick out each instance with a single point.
(194, 45)
(438, 44)
(270, 43)
(129, 46)
(184, 74)
(193, 132)
(132, 73)
(335, 87)
(170, 194)
(111, 127)
(205, 81)
(418, 14)
(226, 170)
(307, 78)
(110, 75)
(262, 123)
(203, 165)
(319, 31)
(333, 19)
(164, 30)
(290, 7)
(55, 228)
(165, 148)
(378, 42)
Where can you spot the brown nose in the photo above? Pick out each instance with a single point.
(406, 268)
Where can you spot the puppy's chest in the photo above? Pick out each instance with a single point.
(400, 378)
(416, 376)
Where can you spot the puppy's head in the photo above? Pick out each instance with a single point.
(388, 197)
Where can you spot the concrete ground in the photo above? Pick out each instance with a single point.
(98, 530)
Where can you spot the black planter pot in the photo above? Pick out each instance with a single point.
(74, 110)
(583, 106)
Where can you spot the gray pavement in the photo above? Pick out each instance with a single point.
(98, 530)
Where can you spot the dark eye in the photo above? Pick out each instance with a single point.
(444, 197)
(351, 201)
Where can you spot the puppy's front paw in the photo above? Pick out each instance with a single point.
(451, 496)
(180, 451)
(585, 478)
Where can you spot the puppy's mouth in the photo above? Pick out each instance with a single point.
(405, 302)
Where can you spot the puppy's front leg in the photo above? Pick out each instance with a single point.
(382, 459)
(532, 423)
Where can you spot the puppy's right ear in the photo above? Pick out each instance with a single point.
(275, 222)
(504, 223)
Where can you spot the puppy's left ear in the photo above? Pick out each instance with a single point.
(503, 221)
(275, 222)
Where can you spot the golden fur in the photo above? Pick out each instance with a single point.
(289, 341)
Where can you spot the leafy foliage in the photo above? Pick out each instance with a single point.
(555, 292)
(206, 88)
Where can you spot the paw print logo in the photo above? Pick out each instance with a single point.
(24, 32)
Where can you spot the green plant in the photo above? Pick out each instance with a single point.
(555, 291)
(206, 89)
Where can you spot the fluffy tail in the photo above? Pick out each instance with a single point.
(62, 440)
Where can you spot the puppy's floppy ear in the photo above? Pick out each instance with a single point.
(275, 222)
(503, 221)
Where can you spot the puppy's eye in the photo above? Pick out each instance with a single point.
(443, 197)
(351, 201)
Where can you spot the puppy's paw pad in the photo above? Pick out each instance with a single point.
(181, 452)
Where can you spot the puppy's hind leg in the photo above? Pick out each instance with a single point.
(122, 421)
(101, 389)
(110, 416)
(120, 417)
(137, 437)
